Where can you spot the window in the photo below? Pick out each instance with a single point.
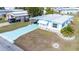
(63, 24)
(55, 25)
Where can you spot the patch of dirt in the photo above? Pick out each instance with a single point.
(40, 40)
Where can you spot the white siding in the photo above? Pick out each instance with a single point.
(59, 26)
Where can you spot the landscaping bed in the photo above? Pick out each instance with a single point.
(67, 31)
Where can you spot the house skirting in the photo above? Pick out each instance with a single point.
(57, 32)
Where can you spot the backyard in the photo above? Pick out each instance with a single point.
(40, 40)
(13, 26)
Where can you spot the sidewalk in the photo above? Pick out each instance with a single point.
(4, 24)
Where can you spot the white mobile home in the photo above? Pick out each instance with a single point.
(17, 15)
(67, 10)
(53, 22)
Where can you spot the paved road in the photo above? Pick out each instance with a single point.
(7, 46)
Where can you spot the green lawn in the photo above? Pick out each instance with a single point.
(13, 26)
(3, 20)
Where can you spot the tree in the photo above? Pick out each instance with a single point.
(25, 8)
(35, 11)
(49, 10)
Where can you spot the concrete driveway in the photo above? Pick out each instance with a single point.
(7, 46)
(14, 34)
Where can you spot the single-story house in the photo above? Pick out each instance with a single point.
(52, 22)
(67, 10)
(17, 15)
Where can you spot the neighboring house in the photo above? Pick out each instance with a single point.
(52, 22)
(67, 10)
(13, 15)
(17, 15)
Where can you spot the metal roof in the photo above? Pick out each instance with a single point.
(67, 8)
(57, 18)
(63, 19)
(19, 13)
(42, 22)
(15, 12)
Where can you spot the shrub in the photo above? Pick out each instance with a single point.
(67, 31)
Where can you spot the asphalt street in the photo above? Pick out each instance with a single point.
(7, 46)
